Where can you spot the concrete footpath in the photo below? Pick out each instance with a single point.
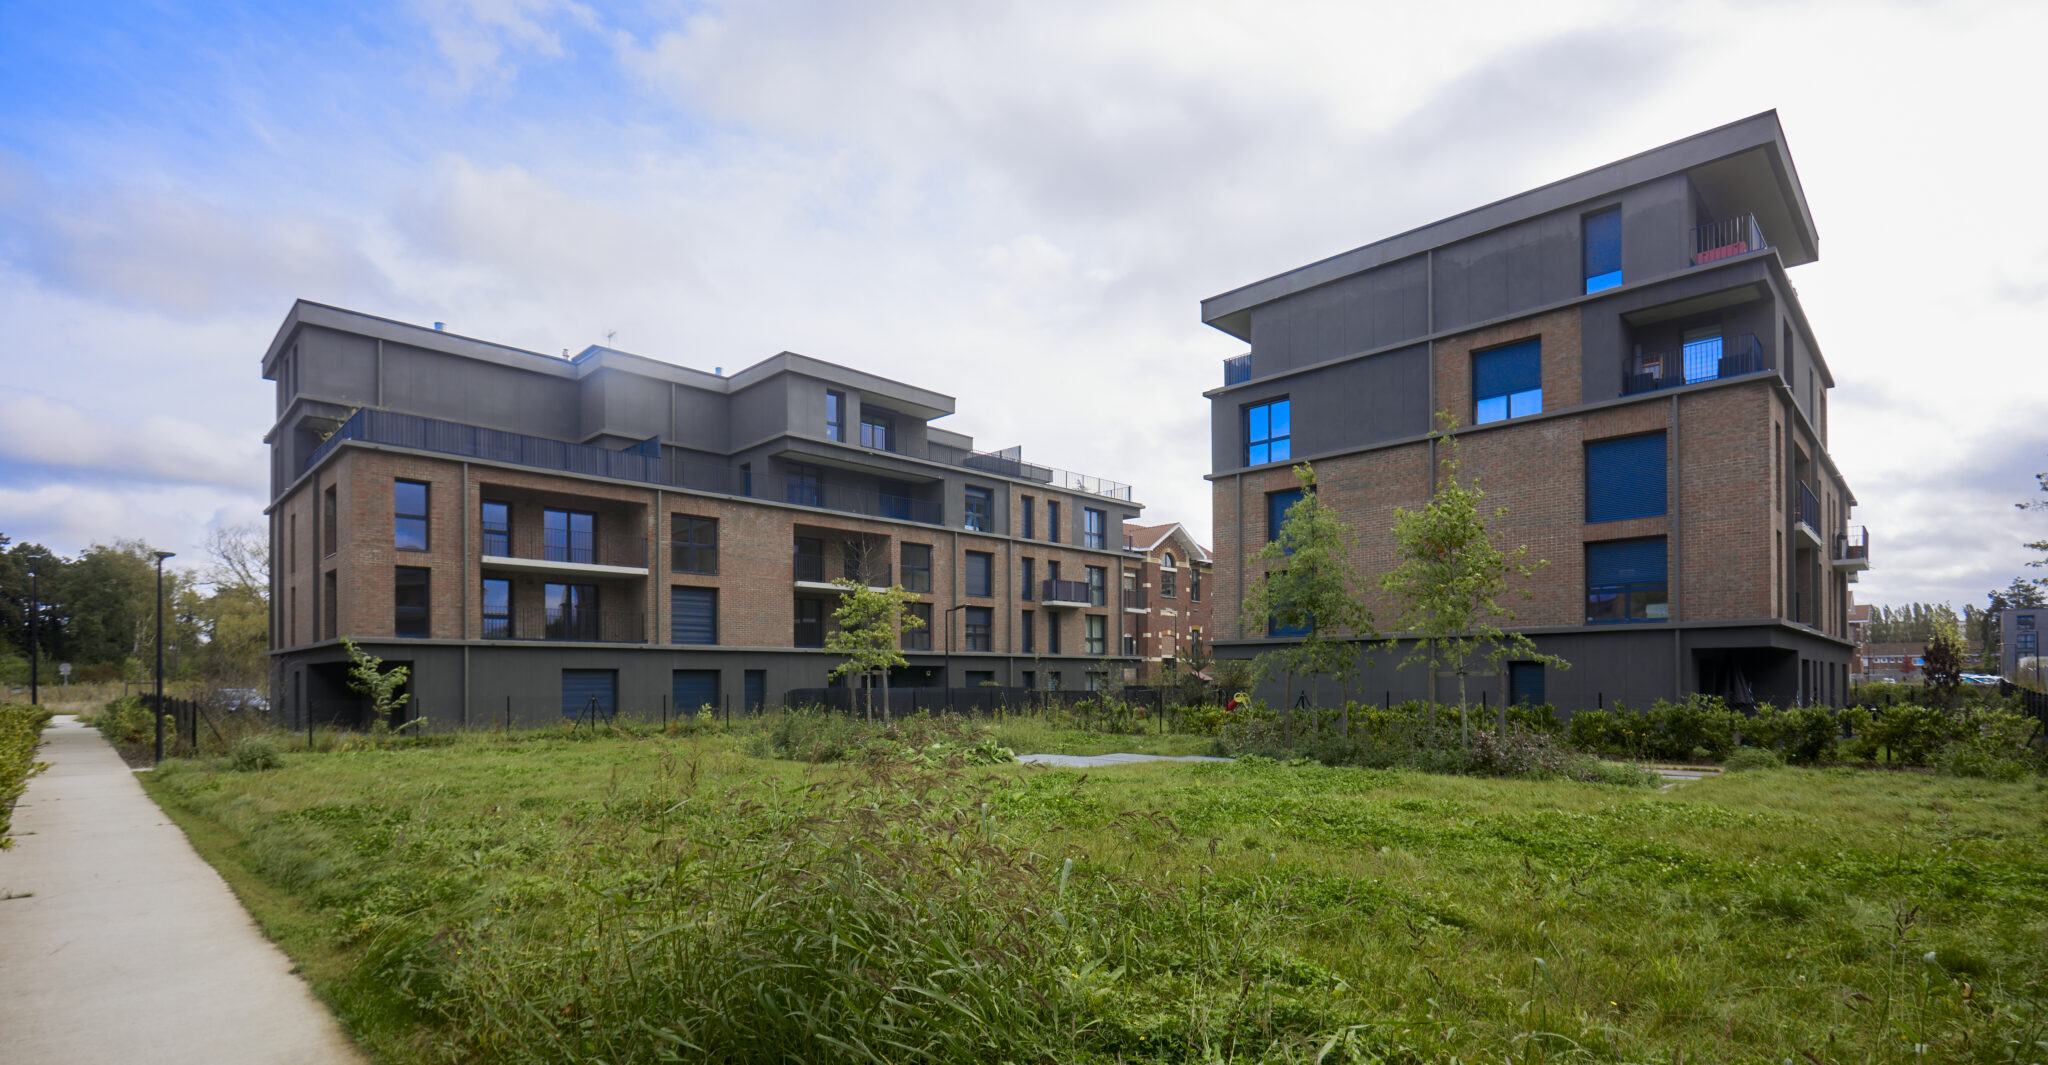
(119, 944)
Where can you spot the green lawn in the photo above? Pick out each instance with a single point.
(545, 899)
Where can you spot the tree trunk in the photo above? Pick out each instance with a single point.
(1462, 737)
(885, 695)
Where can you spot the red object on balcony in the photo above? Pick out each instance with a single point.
(1722, 252)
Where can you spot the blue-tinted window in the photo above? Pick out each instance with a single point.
(1092, 534)
(980, 509)
(1268, 433)
(1625, 478)
(497, 608)
(568, 536)
(694, 690)
(1625, 581)
(979, 576)
(1277, 505)
(806, 486)
(1030, 582)
(1029, 518)
(570, 610)
(1507, 382)
(1052, 521)
(1603, 249)
(497, 529)
(835, 416)
(409, 512)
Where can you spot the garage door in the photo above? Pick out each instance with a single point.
(580, 686)
(695, 689)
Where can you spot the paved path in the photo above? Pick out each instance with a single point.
(1087, 761)
(119, 944)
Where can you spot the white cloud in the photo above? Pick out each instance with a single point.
(36, 430)
(474, 35)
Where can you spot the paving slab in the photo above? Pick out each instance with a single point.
(118, 943)
(1088, 761)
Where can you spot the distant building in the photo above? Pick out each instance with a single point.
(1859, 624)
(1167, 576)
(2019, 656)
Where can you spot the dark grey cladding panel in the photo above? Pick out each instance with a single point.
(702, 419)
(1656, 229)
(624, 404)
(1509, 270)
(337, 366)
(1359, 313)
(1337, 408)
(437, 384)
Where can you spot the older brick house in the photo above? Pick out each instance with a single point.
(1630, 372)
(1167, 577)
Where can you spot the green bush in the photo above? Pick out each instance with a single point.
(811, 734)
(1804, 734)
(1749, 758)
(21, 728)
(1905, 735)
(252, 753)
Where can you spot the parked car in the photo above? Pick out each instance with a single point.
(244, 699)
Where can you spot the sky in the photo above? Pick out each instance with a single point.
(1017, 204)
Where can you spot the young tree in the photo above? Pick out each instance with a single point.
(2038, 545)
(367, 675)
(1310, 586)
(1451, 578)
(869, 621)
(1944, 658)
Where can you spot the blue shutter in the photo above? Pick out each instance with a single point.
(693, 615)
(1276, 511)
(1603, 250)
(757, 690)
(1625, 562)
(1625, 478)
(695, 689)
(1506, 371)
(579, 686)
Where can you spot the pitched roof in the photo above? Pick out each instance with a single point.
(1146, 537)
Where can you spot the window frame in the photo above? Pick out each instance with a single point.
(1027, 505)
(980, 519)
(399, 516)
(1257, 423)
(501, 530)
(1521, 403)
(1606, 279)
(1628, 591)
(986, 561)
(1029, 572)
(419, 616)
(835, 416)
(578, 603)
(1596, 452)
(881, 425)
(568, 547)
(910, 639)
(502, 615)
(1097, 579)
(687, 555)
(798, 621)
(911, 584)
(1052, 521)
(330, 522)
(1095, 634)
(1094, 528)
(980, 617)
(1028, 632)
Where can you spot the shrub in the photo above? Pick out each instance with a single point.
(1749, 758)
(21, 728)
(813, 735)
(1805, 734)
(252, 753)
(1908, 735)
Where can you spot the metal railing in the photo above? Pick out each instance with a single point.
(1009, 462)
(826, 495)
(1809, 507)
(611, 621)
(1854, 545)
(813, 569)
(1064, 592)
(538, 543)
(1699, 360)
(1726, 238)
(1238, 370)
(1135, 598)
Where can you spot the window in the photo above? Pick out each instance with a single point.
(695, 691)
(1030, 584)
(810, 559)
(292, 553)
(981, 678)
(1167, 573)
(571, 611)
(1094, 680)
(693, 544)
(875, 429)
(409, 602)
(693, 615)
(976, 627)
(1268, 433)
(917, 567)
(1130, 644)
(981, 505)
(1030, 680)
(1052, 521)
(497, 608)
(1028, 506)
(1700, 351)
(330, 607)
(919, 638)
(835, 416)
(1027, 630)
(806, 486)
(1092, 534)
(1525, 683)
(1194, 586)
(569, 536)
(1096, 634)
(330, 523)
(496, 521)
(2026, 622)
(1098, 586)
(1507, 382)
(409, 510)
(2027, 643)
(979, 576)
(1601, 234)
(746, 478)
(1052, 633)
(1625, 581)
(1052, 681)
(1625, 478)
(293, 616)
(810, 623)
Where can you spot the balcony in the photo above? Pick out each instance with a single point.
(615, 620)
(824, 495)
(1135, 600)
(1808, 524)
(813, 573)
(1009, 462)
(1852, 550)
(1238, 370)
(534, 549)
(1064, 593)
(1701, 360)
(1726, 238)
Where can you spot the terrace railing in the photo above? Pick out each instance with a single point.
(1809, 507)
(529, 541)
(1699, 360)
(1238, 370)
(1726, 238)
(1853, 547)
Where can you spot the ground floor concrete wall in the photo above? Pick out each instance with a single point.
(1634, 666)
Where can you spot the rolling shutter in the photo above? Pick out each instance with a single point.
(1525, 683)
(1625, 478)
(693, 615)
(1603, 243)
(1625, 562)
(757, 690)
(579, 686)
(695, 689)
(1506, 371)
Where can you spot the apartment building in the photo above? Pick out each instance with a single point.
(1631, 374)
(2019, 652)
(1166, 611)
(536, 536)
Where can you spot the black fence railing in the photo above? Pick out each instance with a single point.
(1135, 598)
(1853, 547)
(817, 570)
(1237, 371)
(535, 542)
(1726, 238)
(826, 495)
(1064, 592)
(1699, 360)
(611, 620)
(1809, 507)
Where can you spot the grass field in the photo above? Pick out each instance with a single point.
(537, 898)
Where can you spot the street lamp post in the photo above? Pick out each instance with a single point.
(34, 659)
(160, 556)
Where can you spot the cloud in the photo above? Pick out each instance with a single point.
(37, 431)
(474, 36)
(67, 518)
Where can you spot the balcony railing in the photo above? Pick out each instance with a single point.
(1852, 548)
(1054, 593)
(1809, 507)
(1238, 370)
(537, 543)
(1009, 462)
(1726, 239)
(846, 499)
(1699, 360)
(1135, 598)
(813, 569)
(612, 621)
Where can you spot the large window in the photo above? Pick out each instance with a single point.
(497, 529)
(571, 611)
(1268, 432)
(919, 638)
(810, 559)
(569, 536)
(1700, 350)
(810, 623)
(981, 505)
(693, 544)
(876, 429)
(330, 523)
(917, 567)
(1027, 629)
(1194, 585)
(1052, 633)
(978, 574)
(1052, 521)
(409, 602)
(1030, 573)
(1625, 478)
(1096, 634)
(1625, 581)
(806, 486)
(497, 608)
(409, 514)
(1028, 505)
(1277, 505)
(1098, 586)
(976, 627)
(1092, 534)
(1507, 382)
(835, 416)
(1525, 683)
(1602, 248)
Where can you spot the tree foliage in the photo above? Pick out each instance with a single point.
(1451, 578)
(1943, 661)
(2038, 545)
(1911, 623)
(870, 620)
(1310, 585)
(367, 675)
